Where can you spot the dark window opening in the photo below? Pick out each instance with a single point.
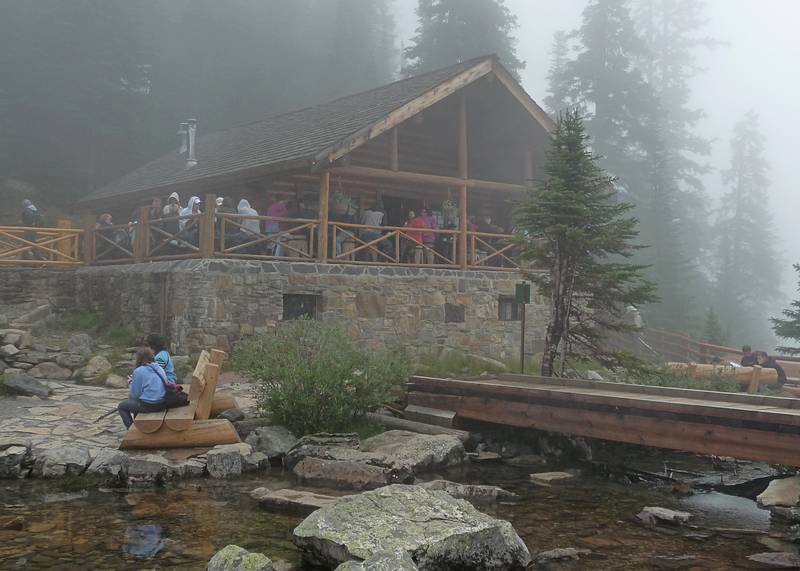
(508, 309)
(454, 313)
(299, 306)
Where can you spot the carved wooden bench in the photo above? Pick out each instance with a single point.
(188, 426)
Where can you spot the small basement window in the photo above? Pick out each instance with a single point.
(508, 309)
(454, 313)
(299, 306)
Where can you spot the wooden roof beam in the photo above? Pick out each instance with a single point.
(421, 178)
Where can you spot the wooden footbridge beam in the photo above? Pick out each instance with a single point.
(747, 427)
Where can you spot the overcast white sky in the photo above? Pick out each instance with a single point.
(756, 69)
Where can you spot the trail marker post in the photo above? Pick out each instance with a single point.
(522, 296)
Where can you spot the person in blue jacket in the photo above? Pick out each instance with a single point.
(148, 392)
(159, 346)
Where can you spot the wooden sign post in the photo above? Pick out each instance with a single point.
(522, 296)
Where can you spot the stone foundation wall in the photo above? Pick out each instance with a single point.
(203, 303)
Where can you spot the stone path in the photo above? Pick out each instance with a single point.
(67, 417)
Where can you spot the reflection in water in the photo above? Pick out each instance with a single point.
(181, 528)
(143, 541)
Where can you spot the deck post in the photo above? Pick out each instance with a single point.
(463, 173)
(206, 240)
(141, 237)
(88, 239)
(64, 246)
(324, 195)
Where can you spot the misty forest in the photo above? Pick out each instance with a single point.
(407, 285)
(92, 93)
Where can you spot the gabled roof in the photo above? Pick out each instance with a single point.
(313, 135)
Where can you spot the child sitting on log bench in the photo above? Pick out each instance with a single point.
(148, 389)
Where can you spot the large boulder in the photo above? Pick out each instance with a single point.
(14, 453)
(12, 338)
(81, 343)
(359, 473)
(417, 452)
(8, 351)
(62, 461)
(235, 558)
(781, 560)
(109, 462)
(296, 502)
(97, 365)
(274, 441)
(31, 357)
(320, 446)
(50, 371)
(472, 492)
(150, 470)
(436, 530)
(228, 460)
(71, 360)
(24, 384)
(116, 382)
(784, 492)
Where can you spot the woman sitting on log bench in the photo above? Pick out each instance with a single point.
(148, 390)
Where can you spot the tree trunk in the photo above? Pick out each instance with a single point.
(559, 314)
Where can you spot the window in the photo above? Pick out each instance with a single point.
(454, 313)
(297, 306)
(508, 309)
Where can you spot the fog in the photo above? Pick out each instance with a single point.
(754, 68)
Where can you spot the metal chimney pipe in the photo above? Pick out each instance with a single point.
(191, 159)
(183, 134)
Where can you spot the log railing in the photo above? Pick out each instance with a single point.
(292, 238)
(492, 250)
(364, 244)
(21, 245)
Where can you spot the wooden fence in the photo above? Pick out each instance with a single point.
(228, 235)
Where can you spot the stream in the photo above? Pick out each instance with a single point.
(183, 526)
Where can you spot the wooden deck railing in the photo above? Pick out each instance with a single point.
(20, 245)
(228, 235)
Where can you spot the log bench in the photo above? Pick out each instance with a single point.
(187, 426)
(751, 376)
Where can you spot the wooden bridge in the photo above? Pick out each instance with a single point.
(748, 427)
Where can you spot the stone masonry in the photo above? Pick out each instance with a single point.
(213, 302)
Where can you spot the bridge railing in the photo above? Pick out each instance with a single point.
(20, 245)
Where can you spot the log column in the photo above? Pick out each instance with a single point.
(207, 227)
(463, 173)
(324, 195)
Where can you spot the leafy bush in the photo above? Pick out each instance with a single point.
(103, 327)
(666, 378)
(311, 377)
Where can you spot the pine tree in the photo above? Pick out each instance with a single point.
(712, 331)
(451, 31)
(671, 30)
(747, 276)
(587, 241)
(789, 326)
(557, 81)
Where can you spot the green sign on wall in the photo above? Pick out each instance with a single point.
(522, 293)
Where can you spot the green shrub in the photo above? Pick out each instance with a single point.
(666, 378)
(311, 377)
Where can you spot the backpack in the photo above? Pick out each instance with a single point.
(175, 397)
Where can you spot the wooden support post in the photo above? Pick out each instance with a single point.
(88, 240)
(528, 168)
(462, 226)
(141, 237)
(324, 195)
(463, 166)
(207, 227)
(463, 173)
(394, 151)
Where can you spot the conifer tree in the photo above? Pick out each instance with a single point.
(587, 239)
(747, 276)
(788, 327)
(712, 331)
(557, 81)
(451, 31)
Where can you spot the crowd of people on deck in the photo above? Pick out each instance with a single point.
(179, 225)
